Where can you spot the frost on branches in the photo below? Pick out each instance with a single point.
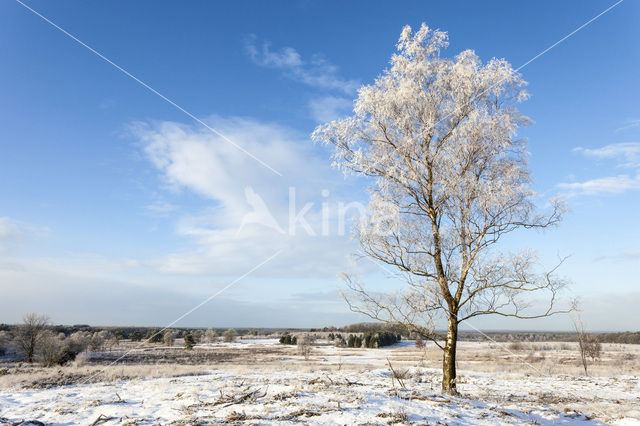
(438, 138)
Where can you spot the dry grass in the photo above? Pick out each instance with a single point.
(533, 359)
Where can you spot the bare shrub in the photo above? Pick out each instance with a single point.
(588, 344)
(79, 341)
(169, 337)
(4, 342)
(29, 333)
(210, 336)
(82, 359)
(105, 338)
(419, 343)
(628, 357)
(544, 347)
(96, 343)
(229, 335)
(56, 349)
(532, 357)
(304, 345)
(50, 347)
(516, 346)
(398, 374)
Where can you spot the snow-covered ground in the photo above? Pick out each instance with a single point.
(323, 390)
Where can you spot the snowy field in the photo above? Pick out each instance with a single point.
(258, 381)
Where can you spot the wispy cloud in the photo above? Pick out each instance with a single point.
(627, 153)
(13, 232)
(620, 257)
(604, 185)
(161, 208)
(197, 162)
(329, 108)
(629, 124)
(315, 71)
(623, 155)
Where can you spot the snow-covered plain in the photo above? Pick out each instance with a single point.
(335, 386)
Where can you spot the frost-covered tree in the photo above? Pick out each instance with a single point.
(210, 336)
(229, 335)
(437, 138)
(169, 337)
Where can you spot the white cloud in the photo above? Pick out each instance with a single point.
(202, 163)
(623, 155)
(329, 108)
(627, 153)
(605, 185)
(14, 233)
(9, 229)
(627, 256)
(316, 71)
(629, 124)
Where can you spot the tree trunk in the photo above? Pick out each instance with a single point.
(449, 358)
(32, 345)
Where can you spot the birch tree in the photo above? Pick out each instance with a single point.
(437, 138)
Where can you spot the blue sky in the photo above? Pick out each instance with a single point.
(117, 208)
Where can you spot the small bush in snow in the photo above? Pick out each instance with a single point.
(210, 336)
(304, 345)
(4, 342)
(169, 337)
(229, 335)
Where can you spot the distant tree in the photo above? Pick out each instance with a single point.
(229, 335)
(50, 347)
(198, 335)
(210, 336)
(189, 341)
(135, 336)
(108, 338)
(4, 342)
(287, 339)
(154, 336)
(588, 344)
(304, 345)
(354, 341)
(169, 337)
(29, 333)
(97, 342)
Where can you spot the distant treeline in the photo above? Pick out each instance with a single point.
(138, 333)
(541, 336)
(135, 333)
